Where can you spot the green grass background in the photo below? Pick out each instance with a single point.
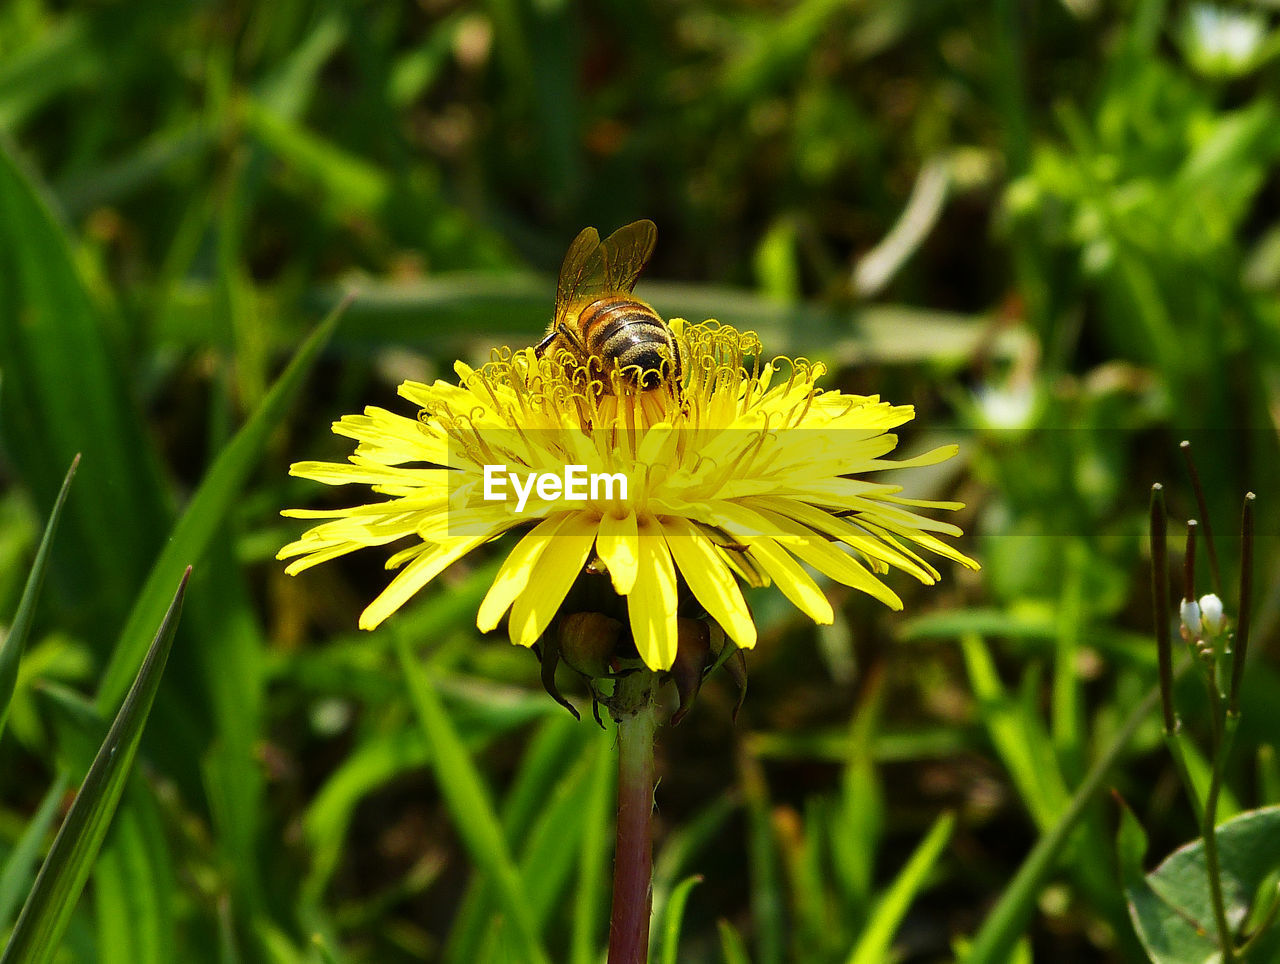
(1054, 228)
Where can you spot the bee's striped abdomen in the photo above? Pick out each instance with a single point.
(622, 330)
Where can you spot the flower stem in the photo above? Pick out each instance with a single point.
(633, 709)
(1209, 829)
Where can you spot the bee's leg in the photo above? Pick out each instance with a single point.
(560, 330)
(542, 346)
(572, 337)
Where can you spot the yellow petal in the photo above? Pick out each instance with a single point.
(516, 571)
(924, 503)
(929, 542)
(413, 577)
(657, 446)
(367, 472)
(792, 580)
(843, 530)
(932, 457)
(897, 519)
(652, 603)
(315, 554)
(394, 438)
(558, 566)
(741, 522)
(827, 559)
(619, 547)
(709, 579)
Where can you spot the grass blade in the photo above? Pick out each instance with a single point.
(470, 806)
(551, 753)
(134, 885)
(48, 908)
(207, 510)
(876, 940)
(679, 847)
(766, 888)
(550, 849)
(1017, 734)
(1005, 924)
(64, 57)
(735, 952)
(13, 645)
(65, 390)
(675, 917)
(15, 880)
(326, 820)
(348, 181)
(589, 911)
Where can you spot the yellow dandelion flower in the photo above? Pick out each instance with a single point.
(747, 473)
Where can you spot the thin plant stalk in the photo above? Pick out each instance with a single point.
(1241, 647)
(1209, 827)
(1208, 814)
(1164, 644)
(1226, 719)
(1160, 603)
(1215, 571)
(636, 716)
(1189, 563)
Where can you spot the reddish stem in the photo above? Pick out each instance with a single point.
(633, 859)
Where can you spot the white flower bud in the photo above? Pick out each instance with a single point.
(1211, 614)
(1190, 611)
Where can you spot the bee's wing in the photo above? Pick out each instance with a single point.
(626, 252)
(593, 267)
(581, 270)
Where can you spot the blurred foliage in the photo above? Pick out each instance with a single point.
(1054, 228)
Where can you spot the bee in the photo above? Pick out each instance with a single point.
(598, 320)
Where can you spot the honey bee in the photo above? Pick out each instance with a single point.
(598, 320)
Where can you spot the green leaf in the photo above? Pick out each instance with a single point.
(693, 837)
(15, 880)
(63, 57)
(1018, 735)
(674, 917)
(222, 617)
(996, 940)
(735, 952)
(206, 513)
(766, 888)
(1168, 937)
(544, 810)
(858, 821)
(66, 390)
(589, 911)
(140, 168)
(134, 886)
(347, 180)
(323, 950)
(1171, 907)
(875, 942)
(470, 805)
(550, 754)
(48, 908)
(374, 762)
(550, 849)
(16, 641)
